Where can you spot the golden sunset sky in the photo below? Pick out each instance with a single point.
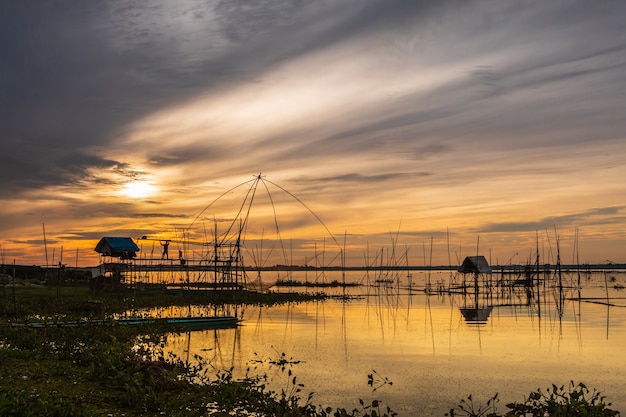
(483, 126)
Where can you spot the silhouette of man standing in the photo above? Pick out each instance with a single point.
(166, 246)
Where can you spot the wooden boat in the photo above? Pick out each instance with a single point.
(189, 323)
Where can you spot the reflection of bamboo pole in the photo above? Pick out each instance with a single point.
(432, 330)
(608, 305)
(344, 329)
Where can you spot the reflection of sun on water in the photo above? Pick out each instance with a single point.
(138, 189)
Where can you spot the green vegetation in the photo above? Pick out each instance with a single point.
(115, 370)
(571, 401)
(25, 301)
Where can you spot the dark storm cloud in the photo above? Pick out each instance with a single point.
(61, 91)
(27, 166)
(75, 73)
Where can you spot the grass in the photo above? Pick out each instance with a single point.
(79, 301)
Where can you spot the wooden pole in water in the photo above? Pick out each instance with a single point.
(577, 258)
(476, 274)
(45, 244)
(316, 261)
(448, 243)
(215, 255)
(13, 291)
(343, 261)
(408, 271)
(59, 274)
(538, 279)
(427, 280)
(430, 260)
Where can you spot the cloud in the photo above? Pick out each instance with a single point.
(615, 215)
(90, 71)
(360, 178)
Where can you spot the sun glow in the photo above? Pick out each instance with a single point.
(138, 189)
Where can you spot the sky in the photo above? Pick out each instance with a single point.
(431, 130)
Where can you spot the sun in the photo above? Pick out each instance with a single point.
(138, 189)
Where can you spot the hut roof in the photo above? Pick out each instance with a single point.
(475, 264)
(119, 247)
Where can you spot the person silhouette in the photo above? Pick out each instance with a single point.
(166, 246)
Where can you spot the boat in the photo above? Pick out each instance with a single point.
(188, 323)
(200, 322)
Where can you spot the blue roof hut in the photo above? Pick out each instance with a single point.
(117, 247)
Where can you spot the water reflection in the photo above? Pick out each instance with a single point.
(436, 346)
(476, 315)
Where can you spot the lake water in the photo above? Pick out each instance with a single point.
(423, 344)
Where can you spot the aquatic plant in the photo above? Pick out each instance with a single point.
(375, 380)
(467, 408)
(575, 400)
(282, 362)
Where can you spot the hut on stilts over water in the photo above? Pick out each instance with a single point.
(477, 266)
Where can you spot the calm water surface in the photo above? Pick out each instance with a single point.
(425, 346)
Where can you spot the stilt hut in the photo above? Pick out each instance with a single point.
(117, 247)
(476, 265)
(116, 252)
